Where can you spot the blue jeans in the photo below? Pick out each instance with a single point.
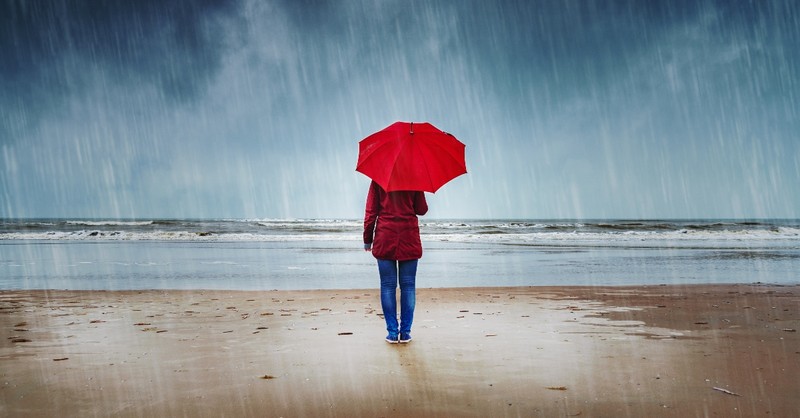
(392, 272)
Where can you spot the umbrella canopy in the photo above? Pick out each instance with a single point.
(411, 156)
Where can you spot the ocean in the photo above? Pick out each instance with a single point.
(265, 254)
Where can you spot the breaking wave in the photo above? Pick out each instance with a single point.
(526, 232)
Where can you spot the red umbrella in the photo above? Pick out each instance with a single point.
(411, 156)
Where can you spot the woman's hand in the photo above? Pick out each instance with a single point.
(367, 247)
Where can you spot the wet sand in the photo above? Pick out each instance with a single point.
(717, 350)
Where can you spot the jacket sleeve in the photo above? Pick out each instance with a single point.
(371, 213)
(420, 204)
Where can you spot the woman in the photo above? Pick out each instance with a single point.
(391, 232)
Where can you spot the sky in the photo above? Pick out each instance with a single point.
(254, 109)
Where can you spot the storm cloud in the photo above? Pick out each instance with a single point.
(254, 109)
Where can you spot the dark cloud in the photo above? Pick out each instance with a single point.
(561, 102)
(50, 46)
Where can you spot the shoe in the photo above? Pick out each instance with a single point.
(391, 339)
(405, 338)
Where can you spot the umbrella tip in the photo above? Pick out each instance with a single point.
(412, 128)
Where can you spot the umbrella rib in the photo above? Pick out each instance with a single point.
(427, 170)
(375, 147)
(446, 151)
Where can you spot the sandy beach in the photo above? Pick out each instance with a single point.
(688, 351)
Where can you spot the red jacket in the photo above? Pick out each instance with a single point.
(391, 225)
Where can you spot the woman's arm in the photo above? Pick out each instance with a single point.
(420, 204)
(371, 212)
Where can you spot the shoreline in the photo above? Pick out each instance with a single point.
(655, 350)
(289, 265)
